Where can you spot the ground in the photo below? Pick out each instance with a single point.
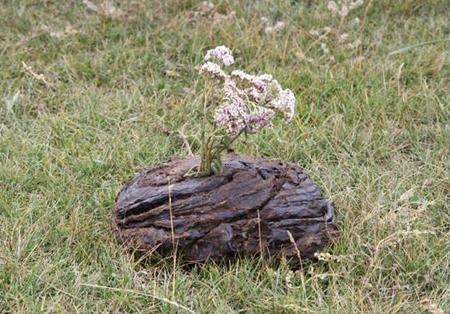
(93, 92)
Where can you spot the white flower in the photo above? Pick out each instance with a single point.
(344, 11)
(343, 37)
(348, 6)
(214, 70)
(220, 54)
(264, 90)
(259, 119)
(254, 86)
(279, 26)
(231, 116)
(284, 103)
(355, 22)
(246, 80)
(332, 6)
(314, 33)
(234, 117)
(242, 76)
(249, 102)
(273, 29)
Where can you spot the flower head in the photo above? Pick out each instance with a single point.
(276, 28)
(245, 103)
(220, 54)
(234, 117)
(257, 87)
(247, 80)
(258, 120)
(231, 117)
(284, 103)
(249, 102)
(345, 9)
(213, 70)
(332, 6)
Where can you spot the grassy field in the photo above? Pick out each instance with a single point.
(91, 95)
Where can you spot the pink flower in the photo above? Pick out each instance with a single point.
(220, 54)
(255, 86)
(284, 103)
(231, 117)
(259, 119)
(249, 102)
(214, 70)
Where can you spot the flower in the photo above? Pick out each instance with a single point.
(244, 78)
(245, 103)
(264, 90)
(314, 33)
(234, 117)
(348, 6)
(355, 22)
(214, 70)
(332, 6)
(284, 103)
(220, 54)
(343, 37)
(257, 87)
(249, 102)
(256, 121)
(344, 11)
(257, 81)
(231, 117)
(273, 29)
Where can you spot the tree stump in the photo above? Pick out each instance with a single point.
(255, 207)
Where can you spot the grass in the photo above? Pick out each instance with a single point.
(372, 129)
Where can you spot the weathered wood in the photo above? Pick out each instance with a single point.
(251, 208)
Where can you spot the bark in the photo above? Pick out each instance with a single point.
(255, 207)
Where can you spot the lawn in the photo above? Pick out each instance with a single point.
(91, 94)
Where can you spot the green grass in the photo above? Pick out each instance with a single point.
(373, 132)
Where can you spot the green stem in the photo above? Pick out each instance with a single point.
(221, 149)
(211, 150)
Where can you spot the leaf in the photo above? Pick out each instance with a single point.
(217, 165)
(409, 47)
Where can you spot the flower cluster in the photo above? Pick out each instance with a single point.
(220, 54)
(235, 117)
(243, 103)
(340, 34)
(249, 102)
(345, 9)
(213, 70)
(278, 26)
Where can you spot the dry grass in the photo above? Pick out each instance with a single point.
(91, 97)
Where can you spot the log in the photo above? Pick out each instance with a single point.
(254, 207)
